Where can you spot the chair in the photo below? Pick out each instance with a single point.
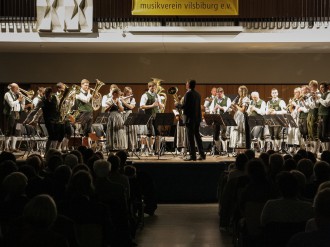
(24, 136)
(97, 137)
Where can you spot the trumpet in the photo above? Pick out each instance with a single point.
(27, 95)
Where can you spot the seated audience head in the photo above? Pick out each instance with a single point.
(54, 162)
(250, 154)
(87, 154)
(321, 209)
(303, 153)
(276, 163)
(322, 171)
(7, 167)
(297, 157)
(306, 167)
(81, 183)
(63, 174)
(80, 167)
(82, 149)
(40, 212)
(123, 157)
(35, 162)
(289, 165)
(102, 168)
(4, 155)
(28, 171)
(50, 153)
(78, 155)
(241, 161)
(256, 170)
(71, 160)
(311, 156)
(115, 162)
(265, 159)
(130, 171)
(325, 156)
(300, 178)
(15, 183)
(287, 184)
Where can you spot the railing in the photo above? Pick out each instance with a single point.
(249, 10)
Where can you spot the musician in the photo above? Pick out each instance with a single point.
(192, 117)
(14, 104)
(302, 109)
(48, 105)
(65, 128)
(220, 105)
(257, 107)
(275, 106)
(181, 134)
(239, 135)
(312, 117)
(208, 101)
(323, 100)
(84, 105)
(128, 102)
(107, 97)
(116, 137)
(293, 132)
(40, 94)
(151, 104)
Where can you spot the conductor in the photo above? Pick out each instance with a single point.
(192, 117)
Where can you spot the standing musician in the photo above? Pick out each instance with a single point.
(293, 132)
(181, 134)
(275, 106)
(151, 104)
(14, 104)
(48, 105)
(107, 97)
(208, 101)
(220, 105)
(116, 137)
(41, 93)
(84, 105)
(239, 135)
(66, 127)
(192, 117)
(312, 117)
(128, 102)
(302, 109)
(324, 115)
(257, 107)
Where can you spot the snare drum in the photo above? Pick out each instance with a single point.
(205, 130)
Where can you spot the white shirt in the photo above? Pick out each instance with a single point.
(82, 97)
(105, 98)
(218, 101)
(13, 102)
(144, 98)
(281, 104)
(36, 100)
(325, 102)
(261, 110)
(208, 104)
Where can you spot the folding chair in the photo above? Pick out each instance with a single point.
(98, 138)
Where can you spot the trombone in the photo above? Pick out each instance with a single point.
(26, 94)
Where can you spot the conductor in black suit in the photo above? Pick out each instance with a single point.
(192, 117)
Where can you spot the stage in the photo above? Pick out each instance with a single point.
(179, 181)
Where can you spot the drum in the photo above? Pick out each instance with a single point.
(205, 130)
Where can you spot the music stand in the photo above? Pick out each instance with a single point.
(163, 119)
(102, 118)
(135, 119)
(290, 121)
(277, 120)
(212, 120)
(255, 121)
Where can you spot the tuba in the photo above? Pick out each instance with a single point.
(67, 101)
(173, 91)
(160, 92)
(96, 96)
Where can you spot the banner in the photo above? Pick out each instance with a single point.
(185, 7)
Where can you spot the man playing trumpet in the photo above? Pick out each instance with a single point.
(14, 104)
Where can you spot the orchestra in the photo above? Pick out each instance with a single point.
(71, 107)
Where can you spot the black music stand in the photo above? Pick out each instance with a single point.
(212, 120)
(163, 119)
(290, 121)
(102, 118)
(135, 119)
(278, 120)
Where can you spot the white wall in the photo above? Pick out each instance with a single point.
(138, 68)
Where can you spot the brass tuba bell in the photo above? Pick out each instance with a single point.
(173, 91)
(160, 92)
(96, 96)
